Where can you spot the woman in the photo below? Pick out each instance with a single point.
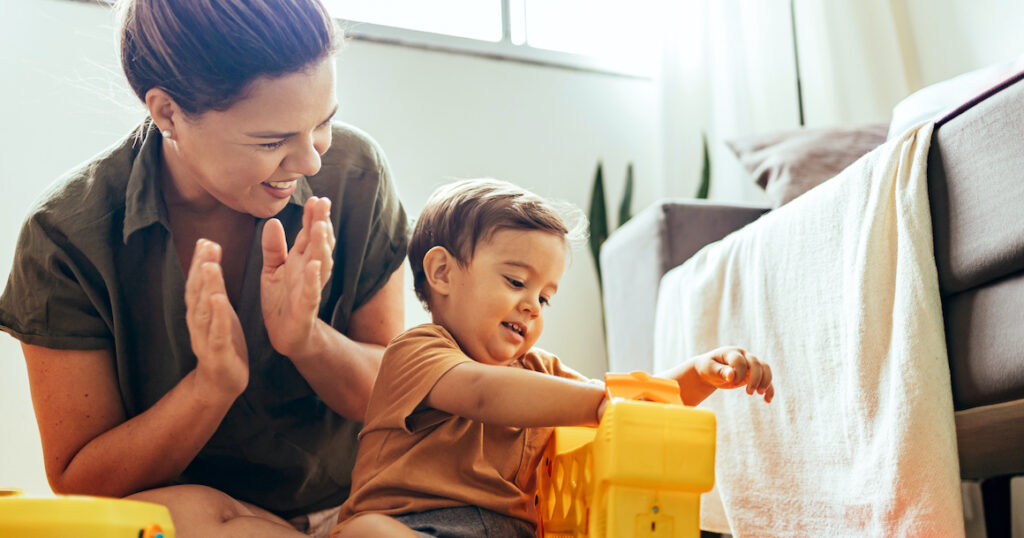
(178, 350)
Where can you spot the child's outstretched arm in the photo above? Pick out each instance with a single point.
(516, 397)
(723, 368)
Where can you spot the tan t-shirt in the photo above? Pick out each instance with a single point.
(413, 458)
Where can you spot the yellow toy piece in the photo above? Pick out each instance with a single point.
(639, 473)
(81, 517)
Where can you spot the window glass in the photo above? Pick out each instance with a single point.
(619, 36)
(614, 30)
(475, 19)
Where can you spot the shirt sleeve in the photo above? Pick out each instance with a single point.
(388, 236)
(413, 363)
(48, 300)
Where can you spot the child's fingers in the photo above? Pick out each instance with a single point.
(754, 374)
(737, 361)
(726, 373)
(769, 393)
(766, 378)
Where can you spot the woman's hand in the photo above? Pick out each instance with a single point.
(292, 280)
(732, 367)
(213, 326)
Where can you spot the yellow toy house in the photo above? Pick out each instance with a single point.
(640, 473)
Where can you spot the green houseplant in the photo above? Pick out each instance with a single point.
(600, 226)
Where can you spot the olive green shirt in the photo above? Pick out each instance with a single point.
(96, 268)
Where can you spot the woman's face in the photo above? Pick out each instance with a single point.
(250, 157)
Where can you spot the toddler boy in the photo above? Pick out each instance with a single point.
(463, 407)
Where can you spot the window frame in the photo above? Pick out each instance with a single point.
(504, 49)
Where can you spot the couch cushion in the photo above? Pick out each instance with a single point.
(789, 163)
(937, 100)
(976, 189)
(635, 257)
(985, 342)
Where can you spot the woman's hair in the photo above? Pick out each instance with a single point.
(205, 53)
(461, 215)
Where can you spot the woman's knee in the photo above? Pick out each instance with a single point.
(198, 510)
(193, 500)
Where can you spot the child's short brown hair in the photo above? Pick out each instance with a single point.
(460, 215)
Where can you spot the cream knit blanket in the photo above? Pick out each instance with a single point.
(838, 292)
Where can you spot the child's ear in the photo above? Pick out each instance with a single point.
(437, 266)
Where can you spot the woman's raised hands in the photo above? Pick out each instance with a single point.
(293, 279)
(213, 326)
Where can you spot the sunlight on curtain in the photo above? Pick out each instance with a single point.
(852, 61)
(729, 70)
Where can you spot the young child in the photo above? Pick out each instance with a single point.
(463, 407)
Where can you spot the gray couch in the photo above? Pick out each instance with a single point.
(976, 192)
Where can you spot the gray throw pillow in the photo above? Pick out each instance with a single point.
(787, 164)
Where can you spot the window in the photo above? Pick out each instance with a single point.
(617, 36)
(473, 19)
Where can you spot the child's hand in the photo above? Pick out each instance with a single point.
(730, 367)
(601, 409)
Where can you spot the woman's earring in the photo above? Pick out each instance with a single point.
(166, 133)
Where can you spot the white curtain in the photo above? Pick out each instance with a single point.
(729, 70)
(853, 59)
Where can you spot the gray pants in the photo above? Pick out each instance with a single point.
(467, 522)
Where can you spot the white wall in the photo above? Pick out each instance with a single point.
(437, 116)
(56, 60)
(441, 117)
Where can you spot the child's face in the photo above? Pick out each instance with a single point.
(495, 308)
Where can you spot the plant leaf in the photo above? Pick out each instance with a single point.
(625, 209)
(598, 220)
(705, 172)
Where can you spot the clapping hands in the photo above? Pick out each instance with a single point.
(292, 280)
(216, 335)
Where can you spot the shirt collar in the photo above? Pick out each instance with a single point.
(143, 204)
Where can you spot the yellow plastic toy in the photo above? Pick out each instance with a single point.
(639, 473)
(81, 517)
